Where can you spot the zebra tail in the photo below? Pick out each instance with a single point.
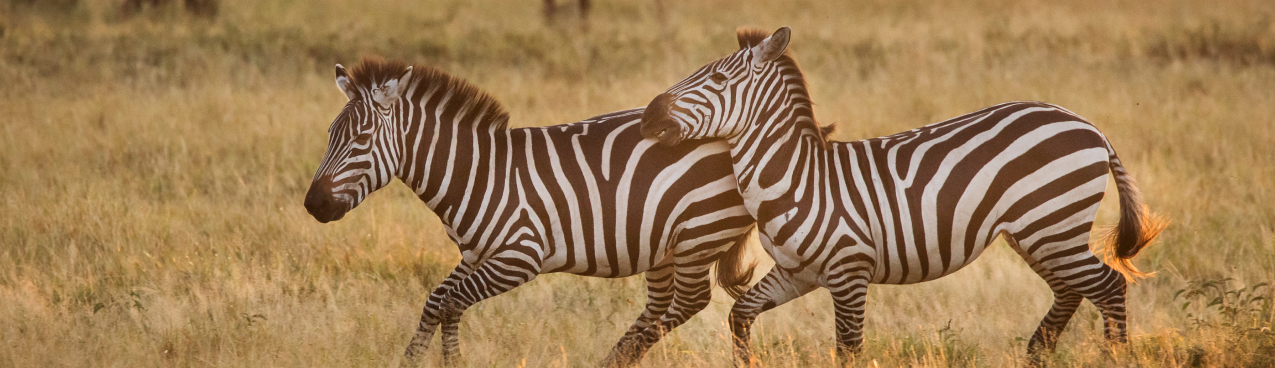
(1138, 226)
(732, 273)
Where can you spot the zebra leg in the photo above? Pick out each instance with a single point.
(777, 288)
(692, 291)
(1044, 341)
(1071, 261)
(429, 317)
(497, 275)
(1108, 294)
(659, 283)
(849, 300)
(659, 295)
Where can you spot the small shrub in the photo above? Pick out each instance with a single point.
(1217, 41)
(1242, 316)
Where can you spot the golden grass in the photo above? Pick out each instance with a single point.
(152, 171)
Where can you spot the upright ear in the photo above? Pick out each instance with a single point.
(343, 82)
(772, 47)
(389, 92)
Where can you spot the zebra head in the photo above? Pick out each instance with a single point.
(362, 155)
(723, 96)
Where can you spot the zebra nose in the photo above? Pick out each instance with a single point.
(320, 204)
(655, 114)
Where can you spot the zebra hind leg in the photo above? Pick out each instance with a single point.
(430, 318)
(1044, 341)
(1110, 300)
(1071, 262)
(497, 275)
(692, 291)
(659, 295)
(775, 289)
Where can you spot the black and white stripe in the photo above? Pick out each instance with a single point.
(910, 207)
(590, 198)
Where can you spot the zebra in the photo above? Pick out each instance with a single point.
(590, 198)
(910, 207)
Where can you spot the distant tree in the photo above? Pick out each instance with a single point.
(552, 9)
(202, 8)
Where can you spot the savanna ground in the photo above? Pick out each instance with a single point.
(152, 170)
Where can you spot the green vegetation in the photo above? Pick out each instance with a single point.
(152, 169)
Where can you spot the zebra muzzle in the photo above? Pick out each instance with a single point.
(658, 124)
(321, 204)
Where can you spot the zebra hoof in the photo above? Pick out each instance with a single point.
(622, 356)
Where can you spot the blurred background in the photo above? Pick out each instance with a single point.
(154, 155)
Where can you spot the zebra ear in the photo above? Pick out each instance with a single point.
(343, 82)
(772, 47)
(392, 90)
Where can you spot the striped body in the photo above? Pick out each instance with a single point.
(590, 198)
(909, 207)
(924, 203)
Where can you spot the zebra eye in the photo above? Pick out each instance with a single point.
(718, 77)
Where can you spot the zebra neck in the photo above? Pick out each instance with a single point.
(453, 167)
(778, 164)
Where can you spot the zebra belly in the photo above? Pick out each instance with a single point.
(558, 263)
(913, 274)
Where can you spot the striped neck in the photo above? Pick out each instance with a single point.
(449, 134)
(768, 154)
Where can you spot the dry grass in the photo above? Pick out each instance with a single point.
(153, 170)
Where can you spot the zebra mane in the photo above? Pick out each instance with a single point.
(464, 96)
(749, 37)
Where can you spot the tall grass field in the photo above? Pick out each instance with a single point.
(153, 164)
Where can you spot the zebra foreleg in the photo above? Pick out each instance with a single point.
(849, 301)
(429, 317)
(777, 288)
(495, 276)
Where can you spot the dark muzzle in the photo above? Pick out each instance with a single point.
(658, 124)
(322, 205)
